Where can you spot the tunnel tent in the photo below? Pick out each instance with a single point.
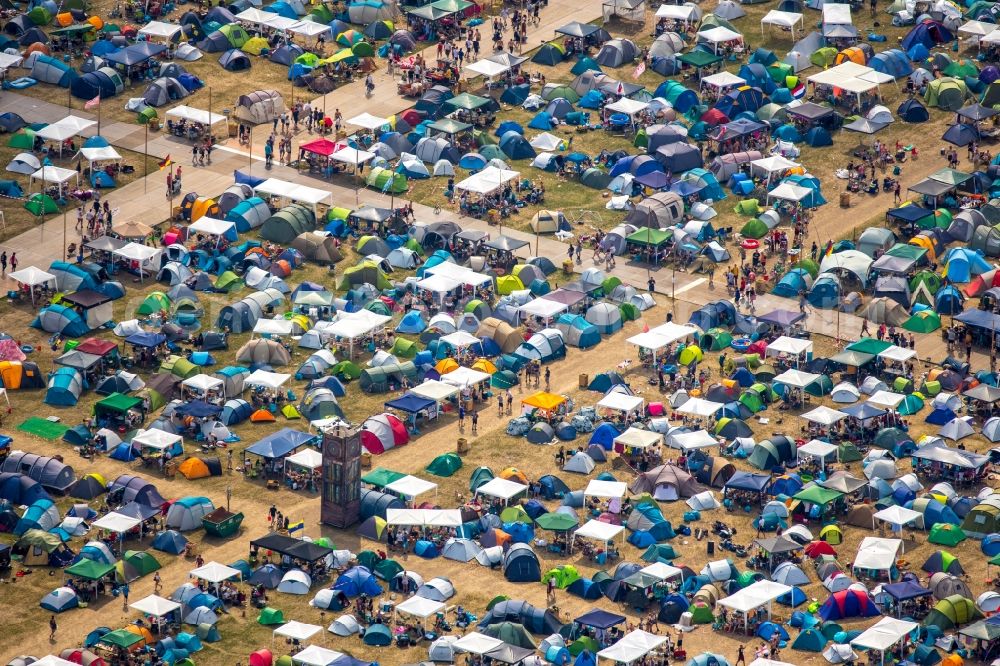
(47, 69)
(249, 214)
(234, 60)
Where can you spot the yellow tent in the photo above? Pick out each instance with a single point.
(255, 45)
(484, 365)
(544, 401)
(689, 354)
(446, 365)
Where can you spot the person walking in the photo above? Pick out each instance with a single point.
(500, 405)
(52, 628)
(548, 377)
(3, 262)
(897, 193)
(510, 401)
(650, 284)
(550, 591)
(461, 418)
(13, 261)
(157, 582)
(475, 422)
(740, 657)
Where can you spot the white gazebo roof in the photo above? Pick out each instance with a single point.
(137, 252)
(316, 655)
(789, 192)
(501, 488)
(433, 389)
(629, 107)
(686, 441)
(895, 353)
(877, 553)
(65, 128)
(638, 438)
(31, 276)
(787, 345)
(463, 377)
(621, 402)
(796, 378)
(211, 226)
(836, 14)
(298, 631)
(719, 34)
(282, 327)
(459, 339)
(160, 29)
(213, 572)
(411, 486)
(595, 529)
(308, 458)
(884, 634)
(476, 643)
(154, 438)
(368, 121)
(487, 68)
(155, 605)
(543, 307)
(202, 382)
(636, 644)
(606, 489)
(54, 174)
(817, 449)
(419, 607)
(723, 79)
(780, 18)
(191, 114)
(677, 12)
(254, 15)
(99, 153)
(309, 28)
(773, 163)
(661, 570)
(271, 380)
(823, 415)
(116, 522)
(759, 594)
(293, 191)
(897, 515)
(698, 407)
(352, 156)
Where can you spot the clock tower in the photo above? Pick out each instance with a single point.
(341, 501)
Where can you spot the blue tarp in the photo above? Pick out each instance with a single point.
(599, 619)
(135, 54)
(748, 481)
(280, 444)
(410, 403)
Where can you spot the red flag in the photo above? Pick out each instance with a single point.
(639, 70)
(94, 103)
(163, 164)
(645, 328)
(621, 89)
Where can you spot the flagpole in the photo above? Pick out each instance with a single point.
(145, 158)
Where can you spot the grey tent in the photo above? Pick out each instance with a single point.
(164, 90)
(986, 240)
(233, 195)
(49, 70)
(321, 249)
(617, 52)
(240, 317)
(187, 52)
(286, 54)
(666, 45)
(49, 472)
(431, 150)
(679, 157)
(659, 211)
(234, 60)
(260, 106)
(285, 225)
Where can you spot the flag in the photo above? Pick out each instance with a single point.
(640, 68)
(829, 248)
(295, 527)
(621, 89)
(165, 163)
(94, 103)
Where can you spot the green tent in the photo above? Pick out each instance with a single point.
(290, 412)
(871, 346)
(830, 629)
(403, 348)
(270, 616)
(144, 116)
(483, 138)
(952, 612)
(701, 613)
(809, 266)
(563, 575)
(24, 140)
(515, 514)
(157, 301)
(820, 387)
(387, 181)
(649, 237)
(755, 228)
(512, 633)
(628, 311)
(380, 477)
(309, 60)
(818, 495)
(823, 57)
(810, 640)
(715, 339)
(89, 569)
(445, 465)
(136, 564)
(368, 559)
(236, 35)
(387, 569)
(366, 271)
(495, 600)
(379, 308)
(41, 204)
(911, 405)
(660, 552)
(847, 451)
(752, 401)
(228, 281)
(481, 475)
(556, 522)
(363, 50)
(322, 14)
(179, 367)
(924, 321)
(504, 379)
(120, 638)
(946, 534)
(584, 643)
(346, 370)
(40, 16)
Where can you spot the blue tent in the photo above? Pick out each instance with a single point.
(892, 62)
(411, 323)
(378, 635)
(123, 452)
(713, 315)
(912, 111)
(585, 588)
(593, 99)
(559, 107)
(541, 121)
(64, 387)
(949, 300)
(61, 319)
(990, 544)
(235, 411)
(234, 60)
(940, 416)
(516, 147)
(552, 487)
(170, 541)
(59, 600)
(604, 435)
(792, 283)
(357, 581)
(757, 76)
(818, 137)
(520, 565)
(515, 95)
(508, 126)
(793, 598)
(280, 444)
(825, 292)
(744, 98)
(961, 134)
(929, 33)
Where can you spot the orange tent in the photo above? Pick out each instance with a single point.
(446, 365)
(64, 19)
(96, 21)
(195, 468)
(262, 416)
(37, 47)
(514, 474)
(852, 54)
(147, 637)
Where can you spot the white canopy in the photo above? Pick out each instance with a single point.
(213, 572)
(687, 441)
(155, 605)
(686, 13)
(160, 29)
(439, 284)
(818, 450)
(156, 439)
(723, 79)
(462, 274)
(193, 115)
(761, 593)
(781, 19)
(836, 14)
(636, 644)
(464, 377)
(897, 516)
(719, 35)
(202, 382)
(606, 489)
(884, 634)
(64, 129)
(419, 607)
(663, 335)
(100, 154)
(823, 415)
(137, 252)
(787, 345)
(977, 28)
(877, 554)
(411, 486)
(368, 121)
(662, 571)
(31, 276)
(116, 522)
(308, 458)
(316, 655)
(459, 339)
(895, 353)
(298, 631)
(352, 325)
(621, 402)
(501, 488)
(211, 226)
(292, 191)
(309, 28)
(52, 660)
(424, 517)
(796, 378)
(282, 327)
(773, 164)
(280, 23)
(992, 37)
(886, 399)
(600, 531)
(698, 407)
(789, 192)
(637, 438)
(476, 643)
(54, 174)
(629, 107)
(352, 156)
(433, 389)
(543, 308)
(8, 60)
(254, 15)
(488, 180)
(271, 380)
(487, 68)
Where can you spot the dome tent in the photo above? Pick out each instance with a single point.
(260, 106)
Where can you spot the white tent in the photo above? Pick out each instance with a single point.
(636, 644)
(145, 257)
(202, 383)
(487, 68)
(719, 35)
(605, 489)
(637, 438)
(310, 196)
(32, 276)
(411, 486)
(796, 378)
(782, 20)
(662, 571)
(884, 634)
(824, 416)
(894, 353)
(817, 450)
(886, 399)
(298, 631)
(309, 28)
(160, 30)
(686, 13)
(464, 377)
(295, 581)
(836, 14)
(211, 226)
(118, 523)
(722, 79)
(433, 389)
(368, 121)
(687, 441)
(789, 192)
(599, 531)
(760, 594)
(791, 346)
(352, 156)
(622, 402)
(315, 655)
(193, 115)
(280, 327)
(419, 607)
(877, 554)
(155, 606)
(698, 407)
(254, 15)
(543, 308)
(54, 174)
(487, 181)
(265, 379)
(897, 516)
(503, 489)
(477, 643)
(213, 572)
